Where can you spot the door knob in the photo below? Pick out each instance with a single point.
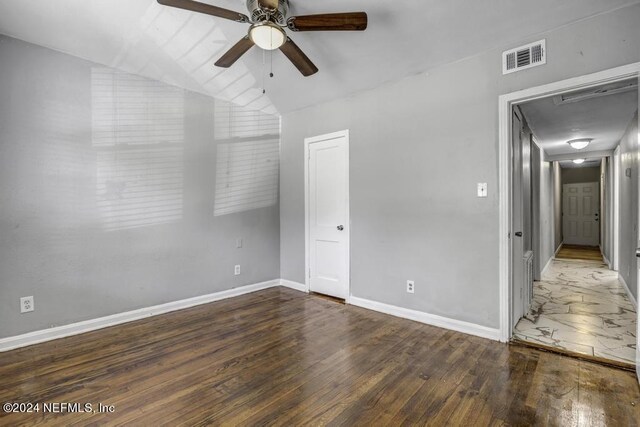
(518, 233)
(340, 227)
(638, 252)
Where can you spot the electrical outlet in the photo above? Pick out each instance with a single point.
(411, 286)
(236, 270)
(26, 304)
(239, 243)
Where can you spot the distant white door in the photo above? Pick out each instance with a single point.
(328, 214)
(580, 214)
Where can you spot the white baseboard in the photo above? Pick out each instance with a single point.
(429, 319)
(626, 287)
(294, 285)
(558, 249)
(36, 337)
(606, 260)
(546, 267)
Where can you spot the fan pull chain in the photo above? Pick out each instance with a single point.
(271, 58)
(264, 90)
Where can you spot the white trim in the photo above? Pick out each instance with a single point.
(606, 260)
(307, 141)
(546, 267)
(36, 337)
(558, 250)
(294, 285)
(505, 104)
(616, 208)
(626, 287)
(429, 319)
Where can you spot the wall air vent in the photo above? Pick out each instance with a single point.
(524, 57)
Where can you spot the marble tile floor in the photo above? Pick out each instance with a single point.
(580, 306)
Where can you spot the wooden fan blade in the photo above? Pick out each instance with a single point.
(233, 54)
(299, 59)
(268, 4)
(208, 9)
(354, 21)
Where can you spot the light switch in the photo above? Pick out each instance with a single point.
(482, 189)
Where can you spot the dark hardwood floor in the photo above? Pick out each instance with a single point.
(285, 358)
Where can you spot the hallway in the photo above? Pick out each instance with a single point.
(580, 306)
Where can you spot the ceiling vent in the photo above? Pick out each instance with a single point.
(523, 57)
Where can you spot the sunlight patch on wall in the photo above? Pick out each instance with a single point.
(138, 133)
(248, 159)
(246, 176)
(233, 121)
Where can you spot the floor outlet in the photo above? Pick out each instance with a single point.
(236, 271)
(410, 286)
(26, 304)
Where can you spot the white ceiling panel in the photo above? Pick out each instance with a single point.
(603, 118)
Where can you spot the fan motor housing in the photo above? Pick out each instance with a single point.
(278, 16)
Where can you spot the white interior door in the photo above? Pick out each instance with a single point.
(517, 225)
(638, 256)
(328, 214)
(580, 214)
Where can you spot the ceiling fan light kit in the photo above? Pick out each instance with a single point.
(269, 19)
(267, 36)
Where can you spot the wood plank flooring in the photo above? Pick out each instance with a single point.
(280, 357)
(587, 253)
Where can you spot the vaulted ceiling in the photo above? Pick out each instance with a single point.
(179, 47)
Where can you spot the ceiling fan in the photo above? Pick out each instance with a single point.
(268, 18)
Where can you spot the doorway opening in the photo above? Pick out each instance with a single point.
(562, 215)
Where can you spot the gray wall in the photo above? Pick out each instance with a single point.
(606, 208)
(557, 206)
(82, 254)
(546, 215)
(578, 175)
(418, 148)
(629, 207)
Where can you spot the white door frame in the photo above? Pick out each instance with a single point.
(307, 252)
(615, 166)
(505, 105)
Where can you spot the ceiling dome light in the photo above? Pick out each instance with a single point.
(267, 35)
(581, 143)
(578, 161)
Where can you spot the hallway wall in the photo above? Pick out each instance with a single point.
(629, 207)
(579, 175)
(606, 208)
(557, 206)
(546, 215)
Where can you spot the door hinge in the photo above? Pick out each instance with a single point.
(309, 273)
